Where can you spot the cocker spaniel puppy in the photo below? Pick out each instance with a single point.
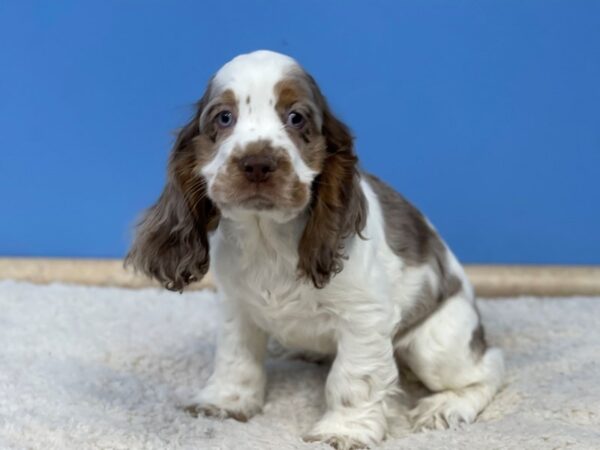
(310, 250)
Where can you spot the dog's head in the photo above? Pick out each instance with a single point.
(263, 141)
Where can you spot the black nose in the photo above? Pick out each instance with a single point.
(257, 168)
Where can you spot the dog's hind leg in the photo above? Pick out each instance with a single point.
(449, 355)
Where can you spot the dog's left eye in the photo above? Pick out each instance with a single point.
(225, 119)
(295, 120)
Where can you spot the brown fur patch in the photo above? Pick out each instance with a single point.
(292, 94)
(409, 236)
(171, 242)
(428, 301)
(478, 342)
(338, 209)
(226, 100)
(406, 230)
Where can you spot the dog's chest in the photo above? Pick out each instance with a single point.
(290, 310)
(261, 273)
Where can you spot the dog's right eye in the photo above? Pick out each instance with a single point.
(225, 119)
(296, 120)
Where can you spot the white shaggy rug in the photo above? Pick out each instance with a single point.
(104, 368)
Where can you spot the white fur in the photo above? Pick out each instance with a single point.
(254, 258)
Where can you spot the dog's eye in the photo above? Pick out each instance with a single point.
(295, 120)
(225, 119)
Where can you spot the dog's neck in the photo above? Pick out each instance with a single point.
(263, 233)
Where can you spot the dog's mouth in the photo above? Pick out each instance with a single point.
(254, 197)
(270, 195)
(258, 201)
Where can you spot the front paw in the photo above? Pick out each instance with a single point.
(223, 404)
(346, 431)
(197, 409)
(339, 442)
(441, 411)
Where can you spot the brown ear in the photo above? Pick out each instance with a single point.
(338, 209)
(171, 242)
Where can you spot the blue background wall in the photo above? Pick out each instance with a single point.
(484, 113)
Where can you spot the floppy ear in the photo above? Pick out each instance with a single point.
(338, 209)
(171, 242)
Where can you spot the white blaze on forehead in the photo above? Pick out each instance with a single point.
(252, 78)
(261, 68)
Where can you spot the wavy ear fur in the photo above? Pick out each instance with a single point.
(171, 241)
(338, 209)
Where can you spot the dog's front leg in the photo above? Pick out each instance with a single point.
(362, 376)
(237, 386)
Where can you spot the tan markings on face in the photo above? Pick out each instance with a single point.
(226, 101)
(202, 149)
(293, 96)
(282, 190)
(228, 97)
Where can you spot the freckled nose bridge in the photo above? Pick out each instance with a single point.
(259, 119)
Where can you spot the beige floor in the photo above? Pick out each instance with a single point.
(489, 281)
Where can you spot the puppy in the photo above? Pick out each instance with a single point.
(307, 248)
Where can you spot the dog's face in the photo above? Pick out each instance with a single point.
(263, 141)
